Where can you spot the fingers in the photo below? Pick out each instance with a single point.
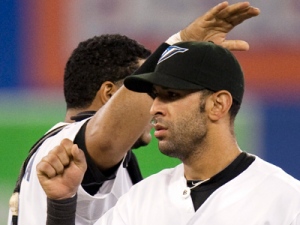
(54, 163)
(213, 12)
(79, 158)
(199, 28)
(216, 23)
(61, 171)
(236, 8)
(231, 14)
(67, 145)
(57, 159)
(236, 13)
(235, 45)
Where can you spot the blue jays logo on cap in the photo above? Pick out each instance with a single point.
(170, 51)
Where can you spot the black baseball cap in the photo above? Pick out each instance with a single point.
(193, 66)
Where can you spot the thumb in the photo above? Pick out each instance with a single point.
(235, 45)
(79, 158)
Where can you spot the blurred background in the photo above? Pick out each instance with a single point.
(37, 37)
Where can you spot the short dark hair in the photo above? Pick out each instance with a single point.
(109, 57)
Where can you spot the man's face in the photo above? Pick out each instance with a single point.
(180, 125)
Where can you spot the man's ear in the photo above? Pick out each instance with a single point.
(106, 90)
(221, 102)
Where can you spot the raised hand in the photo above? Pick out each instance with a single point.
(216, 23)
(61, 171)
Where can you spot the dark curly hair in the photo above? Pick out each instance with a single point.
(109, 57)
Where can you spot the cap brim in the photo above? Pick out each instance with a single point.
(144, 82)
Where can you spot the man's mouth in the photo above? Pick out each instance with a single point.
(160, 131)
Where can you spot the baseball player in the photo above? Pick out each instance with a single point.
(198, 89)
(93, 73)
(113, 130)
(217, 183)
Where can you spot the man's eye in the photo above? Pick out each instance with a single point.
(153, 94)
(172, 94)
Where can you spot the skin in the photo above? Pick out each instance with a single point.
(126, 115)
(203, 141)
(216, 23)
(171, 133)
(62, 164)
(106, 91)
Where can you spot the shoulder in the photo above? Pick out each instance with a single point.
(69, 130)
(275, 176)
(159, 181)
(164, 174)
(149, 192)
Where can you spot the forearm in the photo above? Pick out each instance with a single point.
(124, 117)
(61, 212)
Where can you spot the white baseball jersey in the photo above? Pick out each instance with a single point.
(33, 201)
(262, 194)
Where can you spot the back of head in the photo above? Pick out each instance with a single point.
(96, 60)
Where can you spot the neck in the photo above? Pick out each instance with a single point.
(72, 113)
(95, 106)
(212, 158)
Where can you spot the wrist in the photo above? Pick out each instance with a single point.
(175, 38)
(61, 212)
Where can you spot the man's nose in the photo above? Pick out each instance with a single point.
(157, 107)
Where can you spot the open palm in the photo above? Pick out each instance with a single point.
(216, 23)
